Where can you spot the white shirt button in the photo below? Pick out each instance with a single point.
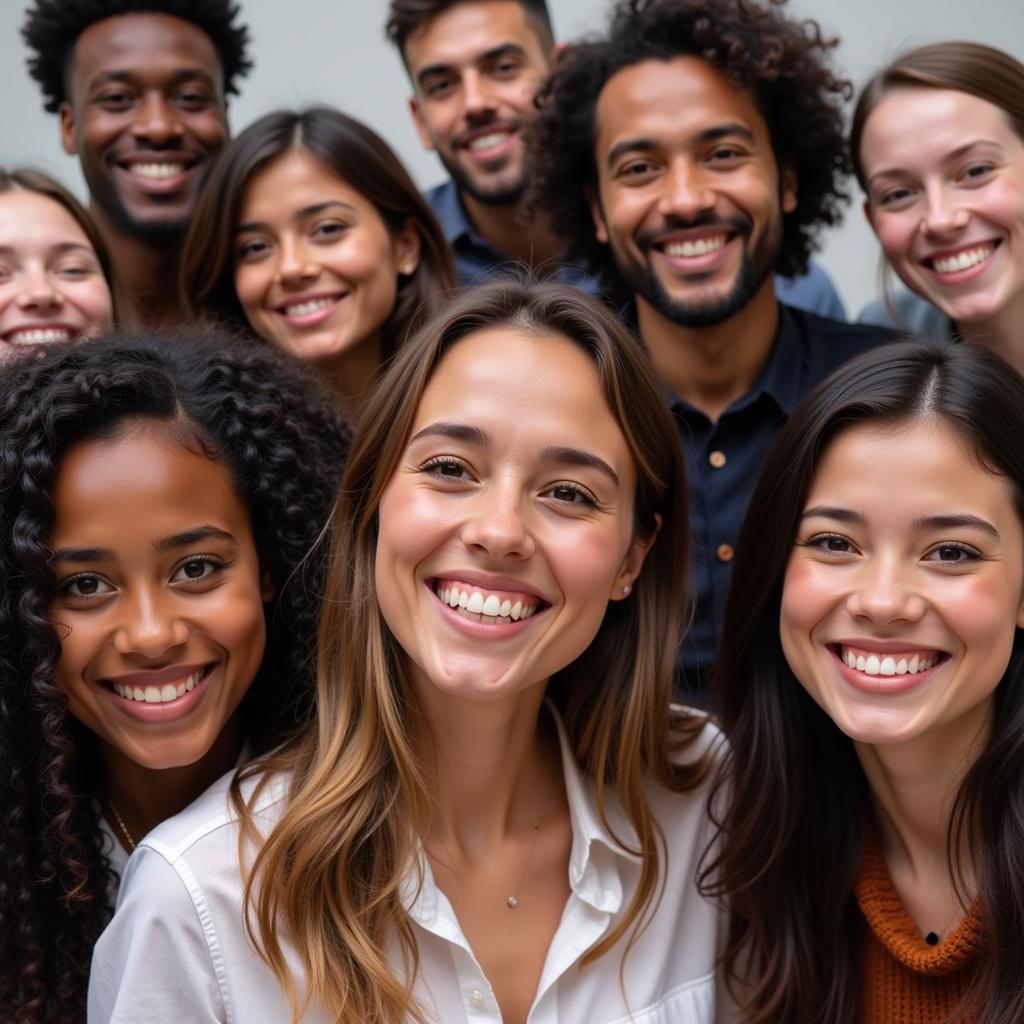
(477, 998)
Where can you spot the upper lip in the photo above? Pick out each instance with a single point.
(886, 646)
(487, 582)
(154, 677)
(463, 139)
(295, 300)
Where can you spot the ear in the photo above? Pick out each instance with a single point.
(789, 185)
(406, 247)
(67, 128)
(421, 124)
(869, 214)
(594, 202)
(633, 563)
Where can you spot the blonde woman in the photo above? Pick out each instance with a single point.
(497, 815)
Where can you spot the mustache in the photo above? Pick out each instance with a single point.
(649, 237)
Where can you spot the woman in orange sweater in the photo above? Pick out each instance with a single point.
(871, 683)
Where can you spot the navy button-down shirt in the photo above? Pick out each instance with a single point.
(477, 260)
(724, 459)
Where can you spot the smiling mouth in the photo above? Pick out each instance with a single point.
(309, 306)
(166, 692)
(40, 335)
(877, 663)
(954, 263)
(695, 247)
(487, 606)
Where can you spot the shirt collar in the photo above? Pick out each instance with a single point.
(594, 861)
(452, 216)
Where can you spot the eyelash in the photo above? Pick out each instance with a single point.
(433, 466)
(216, 565)
(820, 540)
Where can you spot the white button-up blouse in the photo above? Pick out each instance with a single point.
(176, 950)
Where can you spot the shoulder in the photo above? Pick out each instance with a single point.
(830, 343)
(700, 734)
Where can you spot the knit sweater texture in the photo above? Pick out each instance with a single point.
(904, 980)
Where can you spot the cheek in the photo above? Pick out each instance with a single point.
(895, 232)
(250, 287)
(94, 302)
(806, 600)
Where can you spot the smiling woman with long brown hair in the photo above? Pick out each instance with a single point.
(497, 811)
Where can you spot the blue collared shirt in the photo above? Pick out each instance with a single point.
(724, 459)
(476, 260)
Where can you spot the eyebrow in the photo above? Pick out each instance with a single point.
(953, 154)
(177, 540)
(487, 57)
(562, 454)
(179, 76)
(60, 248)
(941, 522)
(711, 134)
(306, 211)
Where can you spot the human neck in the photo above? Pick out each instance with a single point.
(351, 372)
(525, 240)
(144, 797)
(147, 270)
(1000, 333)
(493, 766)
(711, 367)
(913, 788)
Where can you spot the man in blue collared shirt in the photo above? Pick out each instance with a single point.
(476, 66)
(685, 192)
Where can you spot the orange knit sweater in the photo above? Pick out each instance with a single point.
(904, 980)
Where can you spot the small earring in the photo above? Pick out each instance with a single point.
(626, 589)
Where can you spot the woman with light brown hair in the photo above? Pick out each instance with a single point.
(310, 233)
(937, 142)
(498, 814)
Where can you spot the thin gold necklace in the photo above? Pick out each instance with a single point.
(512, 901)
(124, 828)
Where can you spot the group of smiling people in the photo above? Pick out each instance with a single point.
(340, 623)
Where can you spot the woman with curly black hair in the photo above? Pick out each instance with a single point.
(161, 497)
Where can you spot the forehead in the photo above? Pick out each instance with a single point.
(141, 482)
(465, 31)
(149, 44)
(910, 124)
(27, 216)
(672, 100)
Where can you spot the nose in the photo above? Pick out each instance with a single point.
(478, 100)
(943, 214)
(685, 192)
(496, 523)
(294, 263)
(156, 120)
(884, 592)
(38, 291)
(151, 625)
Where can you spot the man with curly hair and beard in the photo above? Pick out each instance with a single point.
(140, 87)
(686, 158)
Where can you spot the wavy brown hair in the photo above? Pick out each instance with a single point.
(330, 874)
(797, 805)
(31, 180)
(350, 151)
(284, 443)
(784, 63)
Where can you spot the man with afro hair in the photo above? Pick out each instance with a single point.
(140, 87)
(687, 157)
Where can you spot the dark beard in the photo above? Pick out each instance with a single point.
(497, 195)
(149, 230)
(755, 267)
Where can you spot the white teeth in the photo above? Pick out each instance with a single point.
(963, 260)
(492, 606)
(157, 171)
(476, 604)
(699, 247)
(505, 610)
(158, 694)
(516, 610)
(38, 336)
(886, 665)
(305, 308)
(463, 600)
(487, 141)
(473, 604)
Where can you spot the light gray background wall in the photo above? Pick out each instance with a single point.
(333, 51)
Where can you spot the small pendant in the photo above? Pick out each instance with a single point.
(512, 902)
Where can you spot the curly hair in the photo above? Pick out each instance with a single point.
(782, 62)
(284, 443)
(52, 28)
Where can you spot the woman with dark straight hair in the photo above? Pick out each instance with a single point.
(871, 684)
(311, 233)
(937, 144)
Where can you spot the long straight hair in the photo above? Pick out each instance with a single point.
(797, 802)
(331, 874)
(350, 151)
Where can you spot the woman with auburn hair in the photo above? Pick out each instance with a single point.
(310, 233)
(870, 684)
(937, 142)
(497, 813)
(159, 497)
(55, 275)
